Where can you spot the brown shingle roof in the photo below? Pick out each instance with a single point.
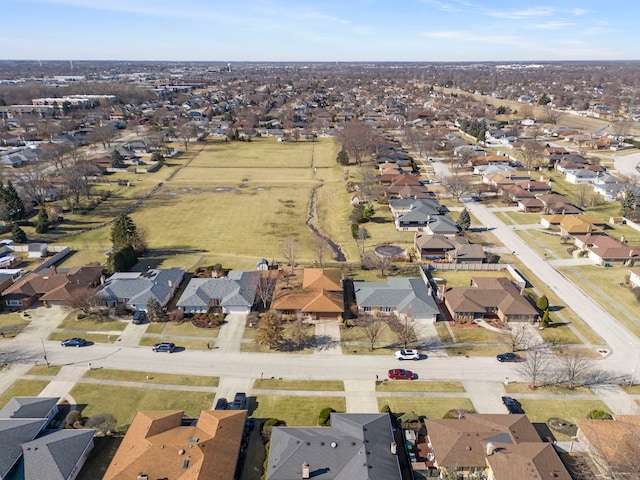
(327, 278)
(156, 444)
(487, 293)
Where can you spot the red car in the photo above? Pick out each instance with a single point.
(401, 374)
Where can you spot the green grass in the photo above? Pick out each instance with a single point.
(296, 411)
(11, 324)
(443, 332)
(539, 411)
(152, 377)
(319, 385)
(125, 402)
(22, 388)
(91, 337)
(52, 370)
(461, 279)
(557, 334)
(420, 386)
(156, 328)
(188, 329)
(147, 341)
(478, 335)
(475, 351)
(91, 323)
(631, 390)
(523, 387)
(518, 218)
(431, 407)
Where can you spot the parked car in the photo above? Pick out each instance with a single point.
(139, 316)
(408, 354)
(508, 357)
(239, 401)
(164, 347)
(513, 406)
(401, 374)
(74, 342)
(221, 404)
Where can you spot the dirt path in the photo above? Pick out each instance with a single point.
(312, 223)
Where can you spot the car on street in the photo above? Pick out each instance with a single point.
(239, 401)
(164, 347)
(508, 357)
(513, 406)
(401, 374)
(221, 404)
(407, 354)
(74, 342)
(139, 317)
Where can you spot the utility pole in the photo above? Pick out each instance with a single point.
(44, 352)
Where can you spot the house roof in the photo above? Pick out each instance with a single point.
(29, 407)
(57, 453)
(616, 442)
(530, 460)
(53, 285)
(355, 446)
(488, 292)
(238, 288)
(138, 287)
(159, 445)
(325, 278)
(609, 248)
(438, 242)
(311, 301)
(406, 295)
(13, 433)
(462, 442)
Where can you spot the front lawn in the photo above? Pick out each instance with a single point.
(478, 335)
(91, 323)
(523, 387)
(420, 386)
(50, 371)
(296, 411)
(430, 407)
(125, 402)
(11, 324)
(319, 385)
(152, 377)
(473, 351)
(90, 337)
(22, 388)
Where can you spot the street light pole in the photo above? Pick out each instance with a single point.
(44, 352)
(635, 369)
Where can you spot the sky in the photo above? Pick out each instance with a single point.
(311, 30)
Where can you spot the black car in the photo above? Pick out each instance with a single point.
(221, 404)
(239, 401)
(508, 357)
(512, 405)
(164, 347)
(74, 342)
(139, 316)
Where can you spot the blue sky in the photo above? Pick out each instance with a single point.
(331, 30)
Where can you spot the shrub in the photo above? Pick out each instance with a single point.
(81, 316)
(104, 422)
(599, 415)
(385, 408)
(324, 418)
(72, 417)
(269, 424)
(354, 230)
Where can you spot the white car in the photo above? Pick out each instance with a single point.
(408, 354)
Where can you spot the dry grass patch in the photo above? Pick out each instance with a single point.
(152, 377)
(91, 323)
(51, 370)
(316, 385)
(523, 387)
(90, 337)
(22, 388)
(11, 324)
(420, 386)
(430, 407)
(478, 335)
(294, 410)
(474, 351)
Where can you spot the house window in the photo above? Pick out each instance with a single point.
(215, 302)
(14, 303)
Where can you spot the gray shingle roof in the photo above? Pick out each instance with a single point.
(13, 433)
(57, 454)
(354, 447)
(407, 295)
(28, 407)
(139, 287)
(236, 289)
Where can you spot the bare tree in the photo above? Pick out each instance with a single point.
(362, 235)
(582, 194)
(358, 139)
(457, 185)
(35, 183)
(531, 153)
(187, 132)
(321, 246)
(575, 369)
(517, 337)
(81, 299)
(265, 288)
(291, 250)
(403, 329)
(372, 328)
(298, 332)
(103, 135)
(535, 366)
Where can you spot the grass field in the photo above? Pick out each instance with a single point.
(90, 324)
(430, 407)
(90, 337)
(51, 370)
(22, 388)
(316, 385)
(124, 402)
(420, 386)
(152, 377)
(11, 324)
(295, 411)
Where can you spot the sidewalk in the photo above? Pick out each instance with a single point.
(62, 384)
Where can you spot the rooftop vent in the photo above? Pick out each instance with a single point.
(490, 449)
(181, 451)
(394, 448)
(305, 471)
(334, 444)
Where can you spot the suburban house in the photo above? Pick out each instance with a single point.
(355, 446)
(489, 297)
(133, 289)
(492, 446)
(449, 249)
(404, 205)
(53, 286)
(404, 297)
(166, 444)
(580, 176)
(569, 224)
(554, 203)
(604, 249)
(612, 445)
(28, 449)
(235, 293)
(634, 277)
(424, 216)
(320, 297)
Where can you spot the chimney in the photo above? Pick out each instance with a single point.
(523, 293)
(394, 448)
(305, 471)
(490, 449)
(53, 269)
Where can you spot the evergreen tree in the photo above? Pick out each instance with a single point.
(18, 235)
(154, 310)
(122, 260)
(42, 225)
(543, 303)
(545, 318)
(368, 212)
(116, 159)
(343, 157)
(270, 330)
(13, 205)
(123, 232)
(464, 220)
(628, 202)
(157, 157)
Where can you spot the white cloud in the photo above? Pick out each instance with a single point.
(554, 25)
(579, 11)
(521, 14)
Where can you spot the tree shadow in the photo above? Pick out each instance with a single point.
(323, 342)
